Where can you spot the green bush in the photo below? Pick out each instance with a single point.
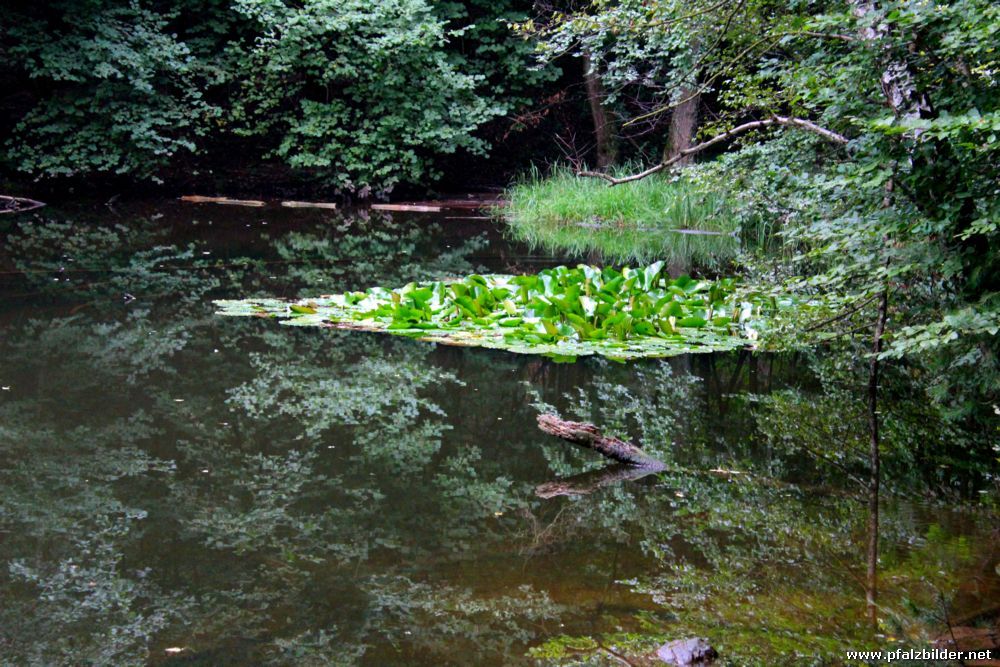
(358, 95)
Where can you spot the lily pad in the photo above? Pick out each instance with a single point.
(561, 313)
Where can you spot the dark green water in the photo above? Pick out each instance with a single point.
(182, 488)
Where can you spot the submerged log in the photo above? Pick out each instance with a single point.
(590, 437)
(420, 208)
(308, 204)
(198, 199)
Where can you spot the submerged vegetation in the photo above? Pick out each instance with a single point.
(560, 312)
(655, 218)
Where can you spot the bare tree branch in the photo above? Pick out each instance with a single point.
(802, 123)
(828, 35)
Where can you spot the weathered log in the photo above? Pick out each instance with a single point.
(198, 199)
(308, 204)
(420, 208)
(590, 437)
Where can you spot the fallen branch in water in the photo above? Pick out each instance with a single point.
(801, 123)
(590, 437)
(18, 204)
(198, 199)
(309, 204)
(417, 208)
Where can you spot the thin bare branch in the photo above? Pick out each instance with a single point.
(828, 35)
(802, 123)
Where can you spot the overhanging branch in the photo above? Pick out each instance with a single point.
(802, 123)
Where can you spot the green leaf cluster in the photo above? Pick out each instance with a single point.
(560, 312)
(908, 205)
(359, 96)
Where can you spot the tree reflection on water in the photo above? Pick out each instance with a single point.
(182, 487)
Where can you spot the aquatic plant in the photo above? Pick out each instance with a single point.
(561, 312)
(656, 218)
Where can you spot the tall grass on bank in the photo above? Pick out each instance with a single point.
(641, 221)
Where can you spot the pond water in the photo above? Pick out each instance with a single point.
(182, 488)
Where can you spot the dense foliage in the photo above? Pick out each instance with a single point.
(908, 205)
(359, 95)
(118, 90)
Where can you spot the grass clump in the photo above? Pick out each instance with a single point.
(642, 221)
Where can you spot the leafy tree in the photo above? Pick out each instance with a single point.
(116, 90)
(363, 91)
(895, 189)
(359, 96)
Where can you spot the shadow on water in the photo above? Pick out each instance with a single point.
(177, 487)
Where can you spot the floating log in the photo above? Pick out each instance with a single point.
(18, 204)
(308, 204)
(422, 208)
(705, 232)
(198, 199)
(470, 204)
(590, 437)
(435, 205)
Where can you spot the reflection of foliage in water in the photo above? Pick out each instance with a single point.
(376, 246)
(771, 571)
(281, 497)
(203, 478)
(87, 257)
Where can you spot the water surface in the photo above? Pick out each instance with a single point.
(182, 488)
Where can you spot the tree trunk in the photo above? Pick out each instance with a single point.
(604, 129)
(898, 83)
(683, 125)
(590, 437)
(907, 102)
(874, 454)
